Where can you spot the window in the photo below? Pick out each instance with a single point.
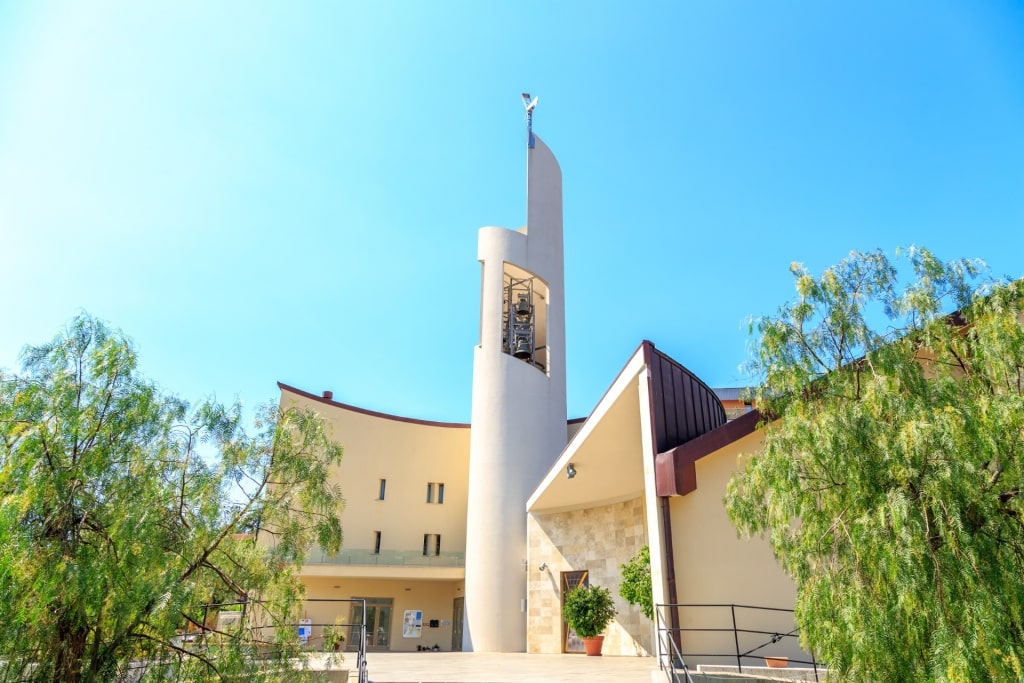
(431, 488)
(383, 485)
(432, 544)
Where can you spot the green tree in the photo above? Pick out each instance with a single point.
(889, 483)
(636, 582)
(122, 512)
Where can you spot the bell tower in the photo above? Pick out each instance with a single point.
(519, 404)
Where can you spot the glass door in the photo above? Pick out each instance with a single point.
(378, 621)
(457, 614)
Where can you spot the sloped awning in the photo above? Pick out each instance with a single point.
(654, 405)
(606, 452)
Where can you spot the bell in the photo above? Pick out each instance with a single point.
(522, 350)
(523, 306)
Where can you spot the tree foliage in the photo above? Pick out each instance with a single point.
(123, 512)
(636, 586)
(889, 484)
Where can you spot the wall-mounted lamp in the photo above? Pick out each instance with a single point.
(570, 471)
(543, 566)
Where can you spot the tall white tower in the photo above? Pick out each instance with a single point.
(519, 409)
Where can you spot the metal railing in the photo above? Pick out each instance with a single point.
(670, 658)
(706, 636)
(356, 632)
(359, 630)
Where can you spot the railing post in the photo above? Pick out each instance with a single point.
(666, 651)
(363, 673)
(675, 631)
(206, 618)
(736, 638)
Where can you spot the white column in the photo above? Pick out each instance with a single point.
(518, 416)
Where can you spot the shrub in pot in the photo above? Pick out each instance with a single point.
(588, 610)
(334, 636)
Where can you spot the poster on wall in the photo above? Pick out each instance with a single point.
(412, 625)
(305, 630)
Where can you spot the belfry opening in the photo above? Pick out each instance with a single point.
(525, 317)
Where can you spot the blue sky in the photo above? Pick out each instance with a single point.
(285, 191)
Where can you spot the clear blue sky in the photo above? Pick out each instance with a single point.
(260, 191)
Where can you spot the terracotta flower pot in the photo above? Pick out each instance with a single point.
(776, 662)
(593, 646)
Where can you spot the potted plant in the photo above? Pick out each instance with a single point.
(334, 638)
(588, 610)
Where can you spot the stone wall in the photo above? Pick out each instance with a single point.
(598, 540)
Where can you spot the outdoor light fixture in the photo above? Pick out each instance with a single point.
(543, 566)
(570, 471)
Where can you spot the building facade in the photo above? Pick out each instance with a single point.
(405, 484)
(468, 536)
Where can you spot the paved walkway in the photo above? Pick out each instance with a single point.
(479, 667)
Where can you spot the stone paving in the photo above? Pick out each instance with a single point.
(479, 667)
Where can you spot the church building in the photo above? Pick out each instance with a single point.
(467, 536)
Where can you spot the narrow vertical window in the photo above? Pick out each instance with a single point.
(376, 543)
(383, 485)
(438, 488)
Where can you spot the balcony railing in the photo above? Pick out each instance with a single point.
(386, 558)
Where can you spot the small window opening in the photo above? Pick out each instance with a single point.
(438, 488)
(432, 544)
(383, 486)
(376, 543)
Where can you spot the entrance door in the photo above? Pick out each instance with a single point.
(458, 609)
(570, 641)
(378, 621)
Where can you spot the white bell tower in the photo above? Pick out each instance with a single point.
(519, 406)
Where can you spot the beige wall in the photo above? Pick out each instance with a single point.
(407, 455)
(713, 565)
(434, 598)
(599, 540)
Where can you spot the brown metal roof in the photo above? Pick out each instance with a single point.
(682, 406)
(675, 471)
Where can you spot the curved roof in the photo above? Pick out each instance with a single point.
(387, 416)
(345, 406)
